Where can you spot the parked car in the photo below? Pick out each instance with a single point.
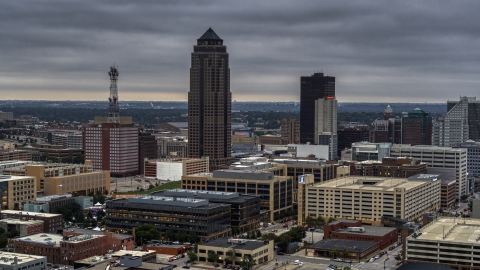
(318, 230)
(280, 253)
(372, 260)
(331, 267)
(338, 260)
(186, 267)
(348, 261)
(296, 262)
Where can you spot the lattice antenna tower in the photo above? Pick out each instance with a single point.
(113, 109)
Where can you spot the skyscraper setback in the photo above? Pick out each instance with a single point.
(210, 102)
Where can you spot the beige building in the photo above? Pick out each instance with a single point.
(242, 139)
(16, 191)
(260, 251)
(450, 241)
(174, 168)
(60, 178)
(171, 146)
(370, 198)
(23, 227)
(124, 120)
(15, 155)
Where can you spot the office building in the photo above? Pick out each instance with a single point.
(6, 116)
(473, 115)
(296, 167)
(449, 163)
(276, 192)
(171, 146)
(448, 194)
(210, 102)
(259, 251)
(16, 191)
(417, 128)
(312, 89)
(18, 261)
(61, 178)
(114, 243)
(147, 149)
(290, 130)
(188, 215)
(473, 156)
(453, 127)
(245, 216)
(61, 249)
(383, 129)
(352, 134)
(51, 222)
(49, 203)
(390, 167)
(23, 227)
(326, 124)
(53, 153)
(84, 201)
(448, 241)
(10, 155)
(370, 198)
(173, 168)
(362, 151)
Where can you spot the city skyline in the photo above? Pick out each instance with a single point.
(395, 52)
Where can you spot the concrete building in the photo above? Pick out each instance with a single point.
(417, 128)
(260, 251)
(18, 261)
(60, 249)
(173, 168)
(9, 164)
(312, 88)
(171, 146)
(357, 250)
(370, 198)
(245, 209)
(290, 130)
(112, 147)
(61, 178)
(189, 215)
(23, 227)
(382, 128)
(296, 167)
(147, 149)
(448, 241)
(473, 115)
(326, 124)
(351, 134)
(49, 203)
(390, 167)
(473, 156)
(450, 163)
(16, 191)
(452, 128)
(322, 152)
(276, 192)
(362, 151)
(10, 155)
(51, 222)
(53, 153)
(84, 201)
(6, 116)
(210, 102)
(448, 194)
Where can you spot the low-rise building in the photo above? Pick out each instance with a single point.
(449, 241)
(51, 222)
(165, 249)
(187, 215)
(370, 198)
(8, 155)
(357, 250)
(23, 227)
(174, 168)
(49, 203)
(16, 191)
(390, 167)
(114, 242)
(18, 261)
(84, 201)
(260, 251)
(61, 249)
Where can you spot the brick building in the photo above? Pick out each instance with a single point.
(147, 148)
(112, 241)
(24, 227)
(15, 155)
(448, 189)
(402, 167)
(51, 222)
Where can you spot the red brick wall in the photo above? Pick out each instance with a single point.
(327, 229)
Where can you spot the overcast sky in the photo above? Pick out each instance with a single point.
(392, 51)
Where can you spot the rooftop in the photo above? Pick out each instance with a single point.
(21, 258)
(49, 239)
(19, 221)
(101, 264)
(210, 35)
(454, 229)
(371, 230)
(4, 178)
(227, 243)
(35, 214)
(352, 246)
(372, 183)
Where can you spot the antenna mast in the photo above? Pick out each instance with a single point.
(113, 109)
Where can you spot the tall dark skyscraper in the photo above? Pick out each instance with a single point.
(210, 102)
(312, 88)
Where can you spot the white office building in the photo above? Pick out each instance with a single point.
(453, 127)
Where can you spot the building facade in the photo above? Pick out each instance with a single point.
(16, 191)
(390, 167)
(352, 134)
(448, 194)
(473, 116)
(23, 227)
(18, 261)
(417, 128)
(147, 149)
(326, 124)
(452, 128)
(450, 162)
(312, 88)
(174, 168)
(210, 102)
(260, 251)
(9, 155)
(473, 156)
(51, 222)
(290, 130)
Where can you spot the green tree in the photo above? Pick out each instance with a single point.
(330, 220)
(247, 262)
(79, 217)
(213, 257)
(151, 186)
(231, 256)
(192, 256)
(268, 236)
(42, 211)
(283, 241)
(169, 234)
(345, 254)
(68, 211)
(320, 221)
(3, 241)
(192, 237)
(181, 236)
(259, 233)
(335, 252)
(310, 221)
(464, 197)
(146, 232)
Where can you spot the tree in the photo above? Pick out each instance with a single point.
(310, 221)
(330, 220)
(151, 186)
(213, 257)
(283, 241)
(320, 221)
(146, 232)
(192, 237)
(259, 233)
(345, 254)
(169, 234)
(268, 236)
(42, 211)
(231, 256)
(79, 217)
(192, 256)
(335, 252)
(105, 192)
(247, 262)
(464, 197)
(181, 236)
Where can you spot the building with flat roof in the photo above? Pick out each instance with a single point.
(189, 215)
(51, 222)
(260, 251)
(166, 249)
(362, 151)
(16, 191)
(390, 167)
(473, 115)
(130, 261)
(448, 193)
(174, 168)
(447, 161)
(295, 167)
(448, 241)
(245, 215)
(61, 249)
(171, 146)
(23, 227)
(276, 192)
(18, 261)
(114, 242)
(473, 156)
(357, 250)
(369, 198)
(8, 155)
(49, 203)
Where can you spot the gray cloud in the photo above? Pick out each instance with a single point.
(395, 51)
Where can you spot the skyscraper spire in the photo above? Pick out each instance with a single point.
(113, 109)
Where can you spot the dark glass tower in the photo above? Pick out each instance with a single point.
(210, 102)
(312, 88)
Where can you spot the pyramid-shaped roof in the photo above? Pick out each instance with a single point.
(210, 35)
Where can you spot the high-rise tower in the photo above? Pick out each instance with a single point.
(312, 88)
(113, 110)
(210, 102)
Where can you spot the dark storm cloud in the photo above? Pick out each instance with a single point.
(381, 51)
